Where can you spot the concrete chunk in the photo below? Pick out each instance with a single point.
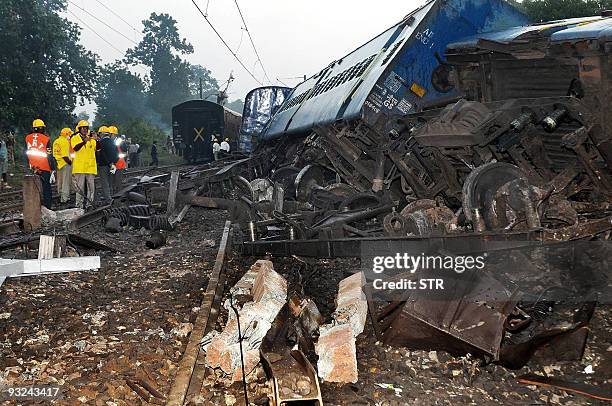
(351, 304)
(336, 345)
(337, 354)
(269, 292)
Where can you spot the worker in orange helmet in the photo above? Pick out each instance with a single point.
(121, 164)
(41, 159)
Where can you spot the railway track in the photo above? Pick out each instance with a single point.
(11, 202)
(192, 368)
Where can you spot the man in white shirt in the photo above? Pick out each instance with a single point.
(216, 147)
(225, 146)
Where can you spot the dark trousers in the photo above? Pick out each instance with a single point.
(106, 181)
(47, 193)
(154, 161)
(118, 180)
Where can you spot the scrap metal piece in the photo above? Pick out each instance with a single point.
(590, 391)
(76, 239)
(155, 240)
(395, 225)
(467, 316)
(480, 188)
(425, 217)
(294, 379)
(309, 178)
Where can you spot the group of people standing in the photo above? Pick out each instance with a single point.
(220, 150)
(77, 158)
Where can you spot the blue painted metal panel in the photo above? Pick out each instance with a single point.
(378, 75)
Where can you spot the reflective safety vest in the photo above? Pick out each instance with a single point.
(121, 162)
(38, 158)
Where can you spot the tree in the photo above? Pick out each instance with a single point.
(121, 95)
(209, 83)
(549, 10)
(142, 132)
(161, 49)
(43, 68)
(237, 105)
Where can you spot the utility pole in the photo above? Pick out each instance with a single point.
(201, 95)
(222, 96)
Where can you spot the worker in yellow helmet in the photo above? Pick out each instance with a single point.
(121, 164)
(61, 153)
(84, 167)
(106, 158)
(40, 159)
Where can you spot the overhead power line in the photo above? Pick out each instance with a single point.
(225, 43)
(119, 17)
(252, 42)
(96, 32)
(110, 44)
(103, 22)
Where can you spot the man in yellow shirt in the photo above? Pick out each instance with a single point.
(61, 153)
(84, 167)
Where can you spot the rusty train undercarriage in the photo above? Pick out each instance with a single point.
(481, 173)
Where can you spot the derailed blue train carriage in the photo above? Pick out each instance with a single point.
(398, 72)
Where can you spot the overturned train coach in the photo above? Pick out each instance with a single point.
(196, 122)
(399, 71)
(505, 140)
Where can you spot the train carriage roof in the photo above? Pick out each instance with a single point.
(389, 63)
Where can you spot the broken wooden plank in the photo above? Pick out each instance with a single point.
(31, 202)
(46, 246)
(174, 178)
(27, 267)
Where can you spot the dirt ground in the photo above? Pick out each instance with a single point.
(92, 332)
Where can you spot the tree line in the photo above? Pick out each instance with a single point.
(46, 72)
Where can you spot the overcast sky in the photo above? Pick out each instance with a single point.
(293, 37)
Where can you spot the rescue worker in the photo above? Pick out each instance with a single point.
(3, 165)
(216, 147)
(133, 151)
(84, 166)
(106, 158)
(40, 159)
(225, 148)
(119, 141)
(154, 160)
(62, 155)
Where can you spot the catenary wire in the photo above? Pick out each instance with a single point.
(103, 22)
(252, 42)
(225, 43)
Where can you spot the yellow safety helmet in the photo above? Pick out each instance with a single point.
(113, 130)
(38, 123)
(82, 123)
(66, 132)
(103, 129)
(227, 139)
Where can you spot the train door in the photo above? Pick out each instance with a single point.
(199, 127)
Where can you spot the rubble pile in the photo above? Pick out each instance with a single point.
(265, 292)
